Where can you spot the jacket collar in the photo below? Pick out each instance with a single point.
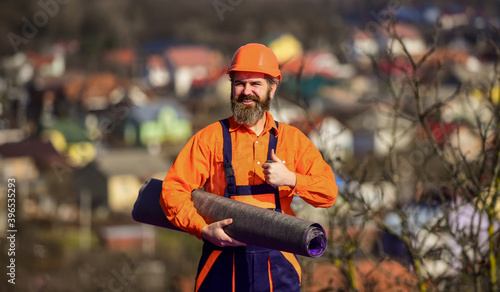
(270, 124)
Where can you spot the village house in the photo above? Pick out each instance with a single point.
(114, 178)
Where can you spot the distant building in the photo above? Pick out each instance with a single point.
(26, 162)
(376, 131)
(114, 178)
(184, 68)
(160, 121)
(129, 237)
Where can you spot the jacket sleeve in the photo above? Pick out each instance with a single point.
(189, 172)
(315, 179)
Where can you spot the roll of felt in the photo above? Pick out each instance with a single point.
(251, 224)
(147, 207)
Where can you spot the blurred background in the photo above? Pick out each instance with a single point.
(401, 97)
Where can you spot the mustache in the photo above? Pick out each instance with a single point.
(251, 97)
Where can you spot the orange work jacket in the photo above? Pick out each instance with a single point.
(200, 164)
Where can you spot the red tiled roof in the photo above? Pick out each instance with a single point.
(191, 56)
(38, 59)
(121, 56)
(95, 85)
(312, 63)
(445, 55)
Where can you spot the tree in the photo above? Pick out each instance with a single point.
(435, 201)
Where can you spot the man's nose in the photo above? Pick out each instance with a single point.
(247, 90)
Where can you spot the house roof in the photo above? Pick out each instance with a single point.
(446, 55)
(42, 152)
(313, 63)
(124, 56)
(39, 60)
(190, 56)
(131, 161)
(86, 88)
(403, 30)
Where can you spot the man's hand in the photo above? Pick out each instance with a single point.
(216, 235)
(277, 174)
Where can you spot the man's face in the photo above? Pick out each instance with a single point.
(251, 97)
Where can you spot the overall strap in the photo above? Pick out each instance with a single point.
(228, 158)
(273, 144)
(246, 190)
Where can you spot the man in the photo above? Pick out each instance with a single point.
(229, 156)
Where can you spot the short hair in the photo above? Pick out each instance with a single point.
(271, 80)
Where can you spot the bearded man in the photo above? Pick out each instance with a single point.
(251, 158)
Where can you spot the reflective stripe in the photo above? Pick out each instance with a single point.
(206, 268)
(248, 268)
(271, 288)
(234, 278)
(295, 263)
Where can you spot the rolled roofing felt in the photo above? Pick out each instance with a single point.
(147, 207)
(252, 225)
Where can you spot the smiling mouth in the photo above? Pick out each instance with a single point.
(248, 101)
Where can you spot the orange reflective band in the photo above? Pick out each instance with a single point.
(234, 279)
(295, 263)
(271, 289)
(206, 268)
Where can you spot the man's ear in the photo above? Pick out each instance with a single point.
(274, 86)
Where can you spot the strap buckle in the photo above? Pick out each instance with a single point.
(228, 169)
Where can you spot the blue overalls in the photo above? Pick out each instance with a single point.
(245, 268)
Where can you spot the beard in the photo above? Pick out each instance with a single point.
(249, 114)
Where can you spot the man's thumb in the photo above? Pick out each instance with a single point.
(274, 156)
(226, 222)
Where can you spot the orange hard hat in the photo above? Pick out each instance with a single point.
(255, 58)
